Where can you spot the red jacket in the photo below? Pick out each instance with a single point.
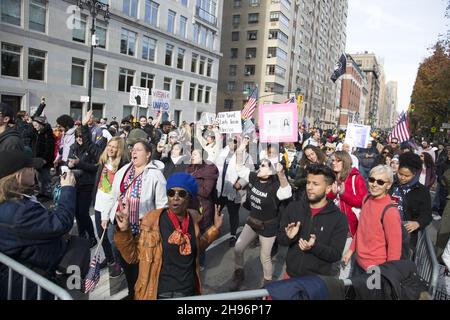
(352, 198)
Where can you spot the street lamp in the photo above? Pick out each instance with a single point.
(95, 7)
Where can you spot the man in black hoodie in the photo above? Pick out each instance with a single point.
(313, 227)
(9, 137)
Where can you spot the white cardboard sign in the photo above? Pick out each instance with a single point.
(229, 122)
(160, 100)
(139, 97)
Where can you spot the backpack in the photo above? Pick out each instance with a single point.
(405, 235)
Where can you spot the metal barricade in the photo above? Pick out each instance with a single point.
(29, 275)
(241, 295)
(426, 261)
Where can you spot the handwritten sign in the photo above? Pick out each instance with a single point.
(229, 122)
(139, 97)
(160, 100)
(278, 122)
(357, 135)
(207, 118)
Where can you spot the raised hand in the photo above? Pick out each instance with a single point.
(218, 217)
(292, 229)
(87, 117)
(122, 216)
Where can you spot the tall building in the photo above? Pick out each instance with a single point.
(352, 92)
(369, 64)
(164, 44)
(283, 47)
(392, 101)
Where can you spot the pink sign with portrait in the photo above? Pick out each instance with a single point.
(278, 122)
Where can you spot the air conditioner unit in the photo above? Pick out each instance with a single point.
(247, 73)
(269, 55)
(270, 36)
(249, 56)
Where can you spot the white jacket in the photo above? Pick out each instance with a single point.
(212, 149)
(67, 140)
(153, 191)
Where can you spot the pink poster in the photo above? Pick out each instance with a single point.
(278, 122)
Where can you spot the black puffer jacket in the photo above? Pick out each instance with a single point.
(330, 227)
(86, 168)
(10, 140)
(43, 144)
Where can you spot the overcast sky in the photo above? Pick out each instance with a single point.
(398, 32)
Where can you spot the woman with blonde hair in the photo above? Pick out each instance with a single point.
(349, 189)
(111, 160)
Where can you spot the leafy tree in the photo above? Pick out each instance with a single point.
(431, 93)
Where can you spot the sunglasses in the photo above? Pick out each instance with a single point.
(378, 181)
(330, 149)
(181, 193)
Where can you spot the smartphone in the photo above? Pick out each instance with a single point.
(164, 138)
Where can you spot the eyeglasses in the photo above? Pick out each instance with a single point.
(330, 149)
(386, 152)
(336, 160)
(181, 193)
(378, 181)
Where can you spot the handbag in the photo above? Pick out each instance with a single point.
(255, 224)
(78, 253)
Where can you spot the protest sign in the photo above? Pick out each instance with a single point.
(229, 122)
(278, 122)
(160, 100)
(139, 97)
(357, 135)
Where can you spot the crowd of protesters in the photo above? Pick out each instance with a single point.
(158, 190)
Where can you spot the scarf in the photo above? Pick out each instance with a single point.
(401, 191)
(180, 236)
(131, 190)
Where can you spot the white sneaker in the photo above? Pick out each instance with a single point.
(436, 217)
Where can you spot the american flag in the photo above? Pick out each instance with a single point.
(93, 275)
(401, 129)
(290, 100)
(250, 107)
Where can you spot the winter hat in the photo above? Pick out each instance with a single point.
(136, 135)
(41, 120)
(12, 161)
(183, 180)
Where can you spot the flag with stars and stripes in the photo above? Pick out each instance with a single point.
(93, 275)
(401, 129)
(250, 107)
(290, 100)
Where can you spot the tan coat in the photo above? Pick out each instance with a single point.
(146, 249)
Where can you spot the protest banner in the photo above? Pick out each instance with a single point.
(278, 122)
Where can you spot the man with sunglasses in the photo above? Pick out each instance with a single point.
(378, 238)
(169, 243)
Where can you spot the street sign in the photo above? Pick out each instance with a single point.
(433, 129)
(139, 97)
(160, 100)
(84, 98)
(446, 126)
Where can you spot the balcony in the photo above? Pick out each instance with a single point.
(205, 16)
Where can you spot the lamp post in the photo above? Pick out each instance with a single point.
(95, 7)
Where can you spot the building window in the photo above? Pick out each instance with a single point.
(201, 68)
(180, 58)
(100, 31)
(196, 32)
(209, 68)
(184, 3)
(252, 35)
(231, 86)
(279, 16)
(130, 8)
(228, 104)
(147, 80)
(249, 69)
(128, 42)
(36, 64)
(275, 70)
(236, 3)
(171, 21)
(148, 48)
(235, 36)
(192, 92)
(210, 40)
(97, 110)
(76, 110)
(200, 93)
(234, 53)
(11, 60)
(151, 12)
(178, 89)
(169, 51)
(167, 84)
(232, 70)
(11, 11)
(254, 3)
(78, 72)
(207, 95)
(277, 34)
(236, 20)
(126, 78)
(250, 53)
(99, 75)
(194, 63)
(182, 29)
(253, 17)
(273, 52)
(203, 36)
(79, 30)
(38, 13)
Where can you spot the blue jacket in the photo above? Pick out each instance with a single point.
(33, 235)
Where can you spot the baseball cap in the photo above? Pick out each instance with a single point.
(12, 161)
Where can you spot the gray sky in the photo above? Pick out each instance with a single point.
(398, 32)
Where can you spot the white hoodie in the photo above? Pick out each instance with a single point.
(67, 140)
(153, 191)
